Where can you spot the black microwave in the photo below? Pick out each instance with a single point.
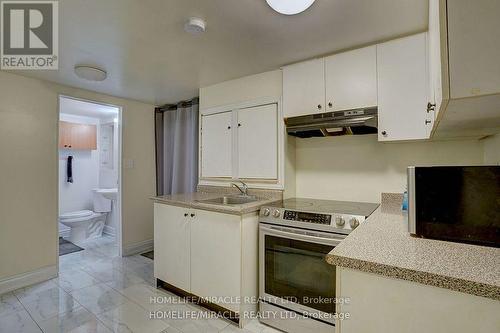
(455, 203)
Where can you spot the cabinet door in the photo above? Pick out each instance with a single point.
(258, 142)
(474, 52)
(83, 136)
(403, 89)
(304, 88)
(64, 134)
(172, 245)
(216, 257)
(216, 145)
(351, 79)
(435, 57)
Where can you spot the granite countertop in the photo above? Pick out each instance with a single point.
(382, 245)
(191, 200)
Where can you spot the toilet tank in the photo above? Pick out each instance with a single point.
(101, 204)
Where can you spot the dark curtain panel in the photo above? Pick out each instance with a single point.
(176, 128)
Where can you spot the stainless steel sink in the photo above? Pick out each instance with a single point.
(231, 200)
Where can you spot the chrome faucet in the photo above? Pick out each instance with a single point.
(243, 189)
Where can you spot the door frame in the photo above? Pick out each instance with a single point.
(119, 234)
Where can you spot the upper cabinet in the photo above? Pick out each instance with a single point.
(304, 88)
(216, 145)
(464, 67)
(403, 89)
(242, 142)
(258, 142)
(77, 136)
(351, 79)
(342, 81)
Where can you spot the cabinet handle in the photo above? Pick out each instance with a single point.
(192, 215)
(431, 107)
(330, 104)
(384, 133)
(427, 121)
(186, 214)
(319, 106)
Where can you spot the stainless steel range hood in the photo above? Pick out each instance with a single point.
(350, 122)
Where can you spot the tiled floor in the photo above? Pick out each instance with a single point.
(98, 292)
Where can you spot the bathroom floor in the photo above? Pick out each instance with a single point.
(99, 292)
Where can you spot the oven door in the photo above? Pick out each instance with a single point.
(293, 273)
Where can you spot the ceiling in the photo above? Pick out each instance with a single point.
(87, 109)
(150, 58)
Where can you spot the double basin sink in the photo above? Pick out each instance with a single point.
(231, 200)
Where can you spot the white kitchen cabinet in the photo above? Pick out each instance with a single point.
(208, 254)
(403, 89)
(216, 257)
(437, 71)
(474, 52)
(304, 88)
(172, 239)
(258, 142)
(351, 79)
(216, 145)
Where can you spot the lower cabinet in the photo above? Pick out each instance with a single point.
(216, 257)
(208, 254)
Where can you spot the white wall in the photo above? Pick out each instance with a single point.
(28, 171)
(492, 150)
(359, 168)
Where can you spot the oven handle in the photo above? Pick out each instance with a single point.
(289, 233)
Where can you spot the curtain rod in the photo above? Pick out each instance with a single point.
(182, 104)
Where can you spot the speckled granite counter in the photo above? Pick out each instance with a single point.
(191, 200)
(383, 246)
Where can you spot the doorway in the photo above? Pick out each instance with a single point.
(89, 177)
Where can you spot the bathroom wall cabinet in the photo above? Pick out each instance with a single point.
(208, 254)
(77, 136)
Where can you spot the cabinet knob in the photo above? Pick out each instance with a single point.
(239, 125)
(384, 133)
(431, 106)
(192, 215)
(65, 145)
(427, 121)
(319, 106)
(330, 104)
(229, 127)
(186, 214)
(69, 146)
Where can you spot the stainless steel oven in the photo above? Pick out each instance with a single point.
(296, 284)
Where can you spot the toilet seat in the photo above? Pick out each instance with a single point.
(77, 214)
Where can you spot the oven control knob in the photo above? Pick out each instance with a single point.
(276, 213)
(339, 220)
(354, 222)
(266, 212)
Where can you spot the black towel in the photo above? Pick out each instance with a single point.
(69, 169)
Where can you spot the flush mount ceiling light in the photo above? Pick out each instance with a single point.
(195, 26)
(290, 7)
(90, 73)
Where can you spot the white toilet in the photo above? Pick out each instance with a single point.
(87, 224)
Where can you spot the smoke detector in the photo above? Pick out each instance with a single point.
(90, 73)
(195, 26)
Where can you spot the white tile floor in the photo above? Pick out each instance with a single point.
(98, 292)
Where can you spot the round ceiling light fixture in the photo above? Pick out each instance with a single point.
(90, 73)
(290, 7)
(195, 26)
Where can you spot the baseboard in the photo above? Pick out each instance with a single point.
(27, 279)
(109, 230)
(136, 248)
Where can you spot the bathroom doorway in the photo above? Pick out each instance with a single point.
(89, 176)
